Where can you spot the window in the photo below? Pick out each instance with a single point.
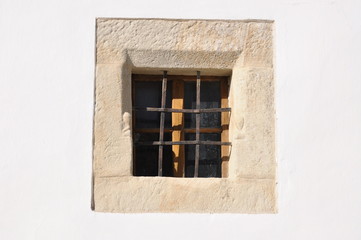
(235, 61)
(180, 125)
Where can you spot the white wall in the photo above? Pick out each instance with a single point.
(46, 102)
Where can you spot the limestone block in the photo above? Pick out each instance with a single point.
(112, 126)
(209, 195)
(192, 37)
(253, 124)
(258, 50)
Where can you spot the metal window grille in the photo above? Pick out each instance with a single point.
(196, 111)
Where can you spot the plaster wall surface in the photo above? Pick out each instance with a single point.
(46, 100)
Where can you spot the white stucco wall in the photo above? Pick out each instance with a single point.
(46, 102)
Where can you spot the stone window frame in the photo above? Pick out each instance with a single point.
(242, 49)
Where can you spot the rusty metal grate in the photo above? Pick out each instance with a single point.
(196, 111)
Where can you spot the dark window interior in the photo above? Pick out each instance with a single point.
(146, 157)
(149, 94)
(209, 159)
(210, 98)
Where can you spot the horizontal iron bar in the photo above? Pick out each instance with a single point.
(139, 77)
(186, 130)
(157, 143)
(204, 110)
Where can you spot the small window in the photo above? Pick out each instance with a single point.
(180, 125)
(192, 143)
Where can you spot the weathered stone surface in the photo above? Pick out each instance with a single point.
(177, 39)
(112, 123)
(258, 50)
(240, 49)
(252, 124)
(156, 194)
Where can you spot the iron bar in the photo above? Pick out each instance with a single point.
(161, 128)
(179, 128)
(203, 110)
(191, 142)
(186, 78)
(198, 124)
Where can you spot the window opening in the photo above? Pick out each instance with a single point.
(208, 140)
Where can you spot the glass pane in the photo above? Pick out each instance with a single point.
(210, 98)
(149, 94)
(209, 156)
(146, 157)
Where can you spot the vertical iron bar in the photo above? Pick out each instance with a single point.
(198, 123)
(161, 130)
